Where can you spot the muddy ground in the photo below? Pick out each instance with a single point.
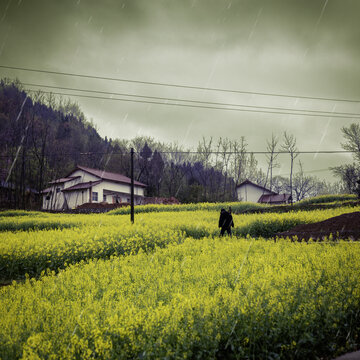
(346, 226)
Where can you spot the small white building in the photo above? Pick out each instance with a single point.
(86, 185)
(249, 191)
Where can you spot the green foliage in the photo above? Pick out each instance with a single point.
(13, 213)
(237, 207)
(326, 199)
(27, 220)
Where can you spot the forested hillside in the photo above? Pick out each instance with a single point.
(43, 137)
(41, 140)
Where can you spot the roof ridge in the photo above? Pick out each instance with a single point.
(247, 181)
(107, 175)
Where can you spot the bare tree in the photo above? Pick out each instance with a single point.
(175, 170)
(39, 135)
(204, 155)
(272, 156)
(239, 160)
(225, 149)
(303, 185)
(280, 184)
(204, 151)
(352, 135)
(350, 173)
(218, 164)
(289, 145)
(252, 172)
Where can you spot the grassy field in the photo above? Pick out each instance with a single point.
(95, 286)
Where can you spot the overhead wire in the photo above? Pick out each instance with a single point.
(199, 106)
(180, 85)
(218, 106)
(193, 153)
(327, 113)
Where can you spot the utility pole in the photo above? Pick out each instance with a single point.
(132, 187)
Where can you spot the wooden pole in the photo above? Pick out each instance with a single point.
(132, 187)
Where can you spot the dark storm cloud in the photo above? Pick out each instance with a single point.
(45, 27)
(307, 47)
(193, 21)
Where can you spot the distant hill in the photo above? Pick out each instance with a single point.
(41, 140)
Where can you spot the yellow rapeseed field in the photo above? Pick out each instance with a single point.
(207, 298)
(169, 287)
(101, 235)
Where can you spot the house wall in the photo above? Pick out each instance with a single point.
(81, 196)
(45, 202)
(109, 185)
(85, 177)
(249, 192)
(55, 199)
(122, 188)
(71, 183)
(76, 198)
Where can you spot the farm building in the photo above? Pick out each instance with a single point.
(249, 191)
(85, 185)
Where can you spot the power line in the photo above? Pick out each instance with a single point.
(192, 153)
(307, 171)
(197, 106)
(327, 113)
(262, 152)
(179, 85)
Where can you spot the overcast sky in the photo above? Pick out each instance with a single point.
(291, 47)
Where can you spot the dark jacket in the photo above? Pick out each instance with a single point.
(225, 220)
(229, 222)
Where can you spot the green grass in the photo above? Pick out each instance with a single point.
(323, 199)
(237, 207)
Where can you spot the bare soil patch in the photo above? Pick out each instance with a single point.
(345, 226)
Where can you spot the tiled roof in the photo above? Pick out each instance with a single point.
(109, 176)
(278, 198)
(63, 180)
(256, 185)
(81, 186)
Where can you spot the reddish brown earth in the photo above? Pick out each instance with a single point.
(350, 356)
(346, 226)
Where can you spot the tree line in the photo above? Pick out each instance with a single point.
(43, 137)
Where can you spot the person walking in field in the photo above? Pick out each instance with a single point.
(222, 218)
(225, 222)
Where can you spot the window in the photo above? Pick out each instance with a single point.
(104, 198)
(94, 196)
(57, 190)
(48, 196)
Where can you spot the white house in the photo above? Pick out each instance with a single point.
(85, 185)
(249, 191)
